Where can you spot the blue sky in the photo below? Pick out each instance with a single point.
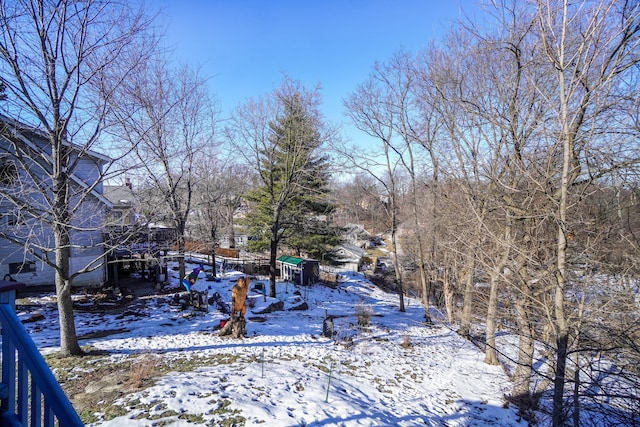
(244, 46)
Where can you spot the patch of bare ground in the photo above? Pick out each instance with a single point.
(93, 382)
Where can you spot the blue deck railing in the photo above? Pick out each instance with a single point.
(29, 393)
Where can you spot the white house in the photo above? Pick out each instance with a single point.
(350, 255)
(26, 237)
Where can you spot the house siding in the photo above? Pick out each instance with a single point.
(89, 216)
(43, 274)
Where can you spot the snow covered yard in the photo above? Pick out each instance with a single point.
(393, 372)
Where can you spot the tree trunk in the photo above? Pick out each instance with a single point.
(522, 375)
(232, 235)
(559, 379)
(180, 243)
(467, 303)
(562, 337)
(576, 391)
(396, 265)
(68, 339)
(272, 267)
(273, 252)
(424, 282)
(490, 353)
(449, 295)
(213, 252)
(562, 328)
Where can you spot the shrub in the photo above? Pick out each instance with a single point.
(406, 342)
(363, 314)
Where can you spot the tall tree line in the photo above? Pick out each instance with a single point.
(523, 127)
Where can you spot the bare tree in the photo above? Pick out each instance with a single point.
(168, 118)
(591, 48)
(238, 180)
(218, 197)
(370, 109)
(358, 201)
(469, 161)
(60, 63)
(412, 127)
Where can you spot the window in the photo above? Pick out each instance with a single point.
(8, 219)
(116, 217)
(22, 267)
(12, 220)
(8, 171)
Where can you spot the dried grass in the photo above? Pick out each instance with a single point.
(142, 370)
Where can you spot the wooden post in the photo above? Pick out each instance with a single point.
(235, 326)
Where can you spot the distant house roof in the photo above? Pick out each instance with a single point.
(119, 195)
(291, 260)
(350, 249)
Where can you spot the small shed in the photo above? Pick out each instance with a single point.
(299, 270)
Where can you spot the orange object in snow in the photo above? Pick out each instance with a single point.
(239, 296)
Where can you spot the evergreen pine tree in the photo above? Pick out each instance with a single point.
(288, 206)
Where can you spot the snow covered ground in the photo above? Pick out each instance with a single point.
(396, 372)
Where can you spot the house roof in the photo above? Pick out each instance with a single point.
(291, 260)
(19, 130)
(119, 195)
(356, 250)
(23, 128)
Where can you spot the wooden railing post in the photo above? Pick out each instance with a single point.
(29, 392)
(7, 386)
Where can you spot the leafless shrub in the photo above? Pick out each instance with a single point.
(406, 342)
(363, 315)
